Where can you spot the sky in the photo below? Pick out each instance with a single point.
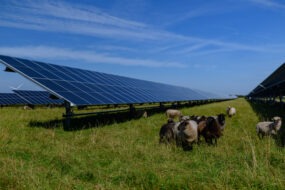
(223, 46)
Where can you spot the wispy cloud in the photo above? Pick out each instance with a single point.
(75, 19)
(269, 3)
(44, 52)
(62, 17)
(206, 10)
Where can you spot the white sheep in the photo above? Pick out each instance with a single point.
(172, 113)
(269, 127)
(231, 111)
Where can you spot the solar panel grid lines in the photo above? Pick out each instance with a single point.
(271, 84)
(73, 74)
(18, 65)
(11, 99)
(37, 97)
(84, 87)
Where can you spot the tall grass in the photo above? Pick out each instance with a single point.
(127, 155)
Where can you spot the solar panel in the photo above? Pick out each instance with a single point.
(84, 87)
(37, 97)
(272, 85)
(209, 95)
(11, 99)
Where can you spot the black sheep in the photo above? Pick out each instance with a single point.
(166, 134)
(213, 129)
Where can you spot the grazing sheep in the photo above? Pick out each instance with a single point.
(212, 128)
(176, 133)
(231, 111)
(267, 128)
(221, 121)
(144, 114)
(184, 118)
(28, 107)
(172, 113)
(188, 133)
(198, 119)
(201, 121)
(166, 134)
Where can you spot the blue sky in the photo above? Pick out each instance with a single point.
(223, 46)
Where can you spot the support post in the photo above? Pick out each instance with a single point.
(68, 115)
(132, 110)
(161, 107)
(281, 99)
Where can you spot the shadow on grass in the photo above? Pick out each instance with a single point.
(85, 122)
(266, 112)
(101, 119)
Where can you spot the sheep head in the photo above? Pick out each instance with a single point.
(277, 122)
(182, 125)
(221, 119)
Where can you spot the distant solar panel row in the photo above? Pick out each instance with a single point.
(83, 87)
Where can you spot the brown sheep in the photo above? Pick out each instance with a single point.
(213, 129)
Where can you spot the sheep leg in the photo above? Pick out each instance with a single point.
(216, 142)
(186, 147)
(198, 139)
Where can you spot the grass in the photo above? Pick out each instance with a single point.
(126, 155)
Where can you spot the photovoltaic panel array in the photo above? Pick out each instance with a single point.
(38, 97)
(11, 99)
(209, 95)
(273, 85)
(84, 87)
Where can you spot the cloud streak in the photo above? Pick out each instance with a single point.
(60, 17)
(44, 52)
(269, 3)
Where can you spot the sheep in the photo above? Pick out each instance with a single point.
(211, 128)
(176, 130)
(144, 114)
(201, 121)
(166, 133)
(28, 107)
(221, 121)
(176, 133)
(172, 113)
(184, 118)
(188, 133)
(231, 111)
(267, 128)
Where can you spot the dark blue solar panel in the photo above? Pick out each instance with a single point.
(209, 95)
(37, 97)
(83, 87)
(11, 99)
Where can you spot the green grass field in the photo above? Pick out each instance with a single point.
(126, 155)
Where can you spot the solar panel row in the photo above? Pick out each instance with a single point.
(83, 87)
(272, 85)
